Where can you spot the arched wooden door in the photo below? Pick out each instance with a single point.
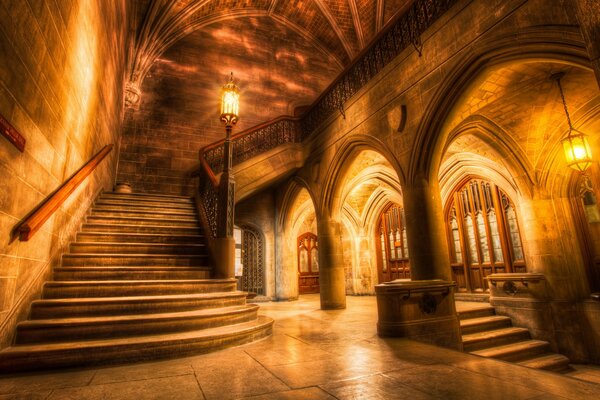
(483, 235)
(308, 263)
(392, 245)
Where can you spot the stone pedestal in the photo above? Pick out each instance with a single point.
(419, 310)
(524, 298)
(224, 255)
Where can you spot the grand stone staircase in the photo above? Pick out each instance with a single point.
(489, 335)
(136, 285)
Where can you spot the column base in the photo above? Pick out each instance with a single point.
(224, 256)
(419, 310)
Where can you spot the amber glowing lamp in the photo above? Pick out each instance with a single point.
(577, 149)
(230, 103)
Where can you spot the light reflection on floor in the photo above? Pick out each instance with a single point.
(312, 354)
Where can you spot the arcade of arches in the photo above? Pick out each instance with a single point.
(446, 164)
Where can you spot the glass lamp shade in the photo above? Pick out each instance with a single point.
(230, 103)
(577, 150)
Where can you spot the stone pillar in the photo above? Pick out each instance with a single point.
(422, 308)
(427, 244)
(588, 15)
(552, 249)
(331, 264)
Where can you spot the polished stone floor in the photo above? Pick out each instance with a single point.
(312, 354)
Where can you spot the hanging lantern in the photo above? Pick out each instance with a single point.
(577, 149)
(230, 103)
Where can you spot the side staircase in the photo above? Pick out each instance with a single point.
(489, 335)
(136, 285)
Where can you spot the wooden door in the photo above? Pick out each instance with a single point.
(392, 245)
(308, 263)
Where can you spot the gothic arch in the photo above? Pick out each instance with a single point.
(560, 44)
(333, 185)
(289, 220)
(503, 145)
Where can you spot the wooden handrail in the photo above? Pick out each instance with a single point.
(208, 170)
(34, 221)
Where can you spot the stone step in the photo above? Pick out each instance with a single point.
(124, 212)
(104, 228)
(130, 273)
(549, 362)
(490, 322)
(94, 328)
(115, 288)
(95, 259)
(102, 306)
(147, 196)
(145, 204)
(137, 248)
(515, 351)
(493, 338)
(116, 237)
(115, 222)
(130, 349)
(478, 312)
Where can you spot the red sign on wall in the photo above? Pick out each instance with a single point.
(10, 133)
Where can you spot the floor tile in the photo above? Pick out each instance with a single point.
(374, 387)
(312, 393)
(177, 387)
(234, 377)
(142, 371)
(36, 382)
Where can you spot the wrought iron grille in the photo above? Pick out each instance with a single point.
(253, 258)
(209, 198)
(255, 142)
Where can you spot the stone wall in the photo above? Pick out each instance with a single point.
(61, 80)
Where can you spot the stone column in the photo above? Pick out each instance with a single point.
(422, 308)
(331, 264)
(552, 249)
(588, 15)
(551, 246)
(427, 244)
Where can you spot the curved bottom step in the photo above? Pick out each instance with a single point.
(131, 349)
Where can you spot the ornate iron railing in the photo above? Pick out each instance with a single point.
(246, 144)
(404, 32)
(254, 141)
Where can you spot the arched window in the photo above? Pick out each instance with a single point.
(308, 263)
(483, 235)
(392, 245)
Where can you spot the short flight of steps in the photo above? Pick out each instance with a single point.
(489, 335)
(136, 285)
